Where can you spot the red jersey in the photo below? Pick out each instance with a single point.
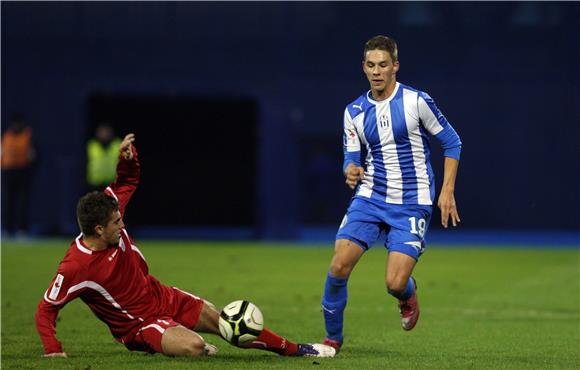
(114, 283)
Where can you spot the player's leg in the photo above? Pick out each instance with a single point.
(164, 335)
(401, 285)
(405, 244)
(346, 255)
(180, 341)
(208, 322)
(359, 230)
(398, 272)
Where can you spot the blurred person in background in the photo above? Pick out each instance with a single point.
(102, 157)
(395, 190)
(17, 161)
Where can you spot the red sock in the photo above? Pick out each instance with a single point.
(270, 341)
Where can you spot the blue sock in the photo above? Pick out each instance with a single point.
(407, 293)
(333, 304)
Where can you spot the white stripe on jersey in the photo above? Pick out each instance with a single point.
(80, 246)
(359, 125)
(184, 292)
(154, 326)
(389, 150)
(112, 193)
(366, 188)
(134, 247)
(429, 120)
(419, 160)
(91, 285)
(121, 241)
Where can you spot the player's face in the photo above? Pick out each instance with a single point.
(380, 70)
(112, 232)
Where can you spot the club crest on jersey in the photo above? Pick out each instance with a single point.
(384, 121)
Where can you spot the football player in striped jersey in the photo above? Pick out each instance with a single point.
(394, 188)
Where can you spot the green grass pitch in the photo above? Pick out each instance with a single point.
(481, 308)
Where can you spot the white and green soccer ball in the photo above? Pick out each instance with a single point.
(241, 322)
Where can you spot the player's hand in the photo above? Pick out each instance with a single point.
(353, 175)
(448, 208)
(56, 354)
(125, 147)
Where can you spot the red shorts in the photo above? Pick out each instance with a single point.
(185, 309)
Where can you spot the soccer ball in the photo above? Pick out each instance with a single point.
(241, 322)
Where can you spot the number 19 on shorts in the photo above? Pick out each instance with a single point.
(417, 227)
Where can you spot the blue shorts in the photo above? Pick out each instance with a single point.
(406, 225)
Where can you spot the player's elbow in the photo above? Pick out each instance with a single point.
(453, 152)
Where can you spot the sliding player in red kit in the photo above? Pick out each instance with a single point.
(105, 269)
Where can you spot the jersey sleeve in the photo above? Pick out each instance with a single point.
(126, 181)
(351, 142)
(65, 287)
(437, 125)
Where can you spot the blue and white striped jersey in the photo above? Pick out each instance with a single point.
(394, 132)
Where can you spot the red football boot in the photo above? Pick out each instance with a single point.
(409, 310)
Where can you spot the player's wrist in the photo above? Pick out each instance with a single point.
(346, 167)
(448, 189)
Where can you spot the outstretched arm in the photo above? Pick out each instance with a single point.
(64, 287)
(128, 173)
(46, 315)
(447, 198)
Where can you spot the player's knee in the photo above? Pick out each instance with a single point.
(194, 347)
(343, 261)
(340, 269)
(396, 284)
(179, 341)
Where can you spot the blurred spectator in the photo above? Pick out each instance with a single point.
(18, 159)
(102, 157)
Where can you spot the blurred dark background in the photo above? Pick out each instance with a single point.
(238, 107)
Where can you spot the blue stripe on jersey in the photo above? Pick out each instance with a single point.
(372, 136)
(357, 107)
(427, 150)
(404, 151)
